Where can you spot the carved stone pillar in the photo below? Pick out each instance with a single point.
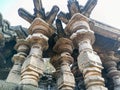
(110, 64)
(22, 48)
(33, 67)
(89, 62)
(65, 79)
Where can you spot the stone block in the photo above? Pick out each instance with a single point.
(88, 59)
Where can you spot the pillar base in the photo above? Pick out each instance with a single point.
(66, 81)
(29, 82)
(97, 88)
(14, 75)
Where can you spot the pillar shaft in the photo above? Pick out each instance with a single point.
(65, 78)
(110, 63)
(33, 67)
(89, 62)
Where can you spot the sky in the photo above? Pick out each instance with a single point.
(106, 11)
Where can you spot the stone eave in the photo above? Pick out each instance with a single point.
(105, 30)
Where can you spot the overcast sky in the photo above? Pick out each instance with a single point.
(106, 11)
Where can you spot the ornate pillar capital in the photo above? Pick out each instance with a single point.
(40, 26)
(79, 31)
(63, 45)
(39, 40)
(77, 22)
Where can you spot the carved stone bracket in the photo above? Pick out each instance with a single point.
(39, 11)
(74, 7)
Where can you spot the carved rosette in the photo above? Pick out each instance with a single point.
(62, 62)
(22, 48)
(89, 62)
(110, 63)
(33, 67)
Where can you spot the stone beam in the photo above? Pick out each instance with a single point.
(105, 30)
(88, 8)
(39, 12)
(25, 15)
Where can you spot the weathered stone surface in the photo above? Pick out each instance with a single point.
(110, 63)
(39, 32)
(65, 79)
(89, 62)
(43, 36)
(22, 48)
(32, 68)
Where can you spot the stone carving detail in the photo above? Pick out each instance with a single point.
(39, 32)
(62, 62)
(22, 48)
(110, 63)
(74, 71)
(79, 32)
(88, 61)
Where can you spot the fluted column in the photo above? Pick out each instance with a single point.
(33, 66)
(65, 79)
(110, 63)
(22, 49)
(89, 62)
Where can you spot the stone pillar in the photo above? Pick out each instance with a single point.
(89, 62)
(33, 67)
(78, 77)
(65, 79)
(110, 63)
(22, 48)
